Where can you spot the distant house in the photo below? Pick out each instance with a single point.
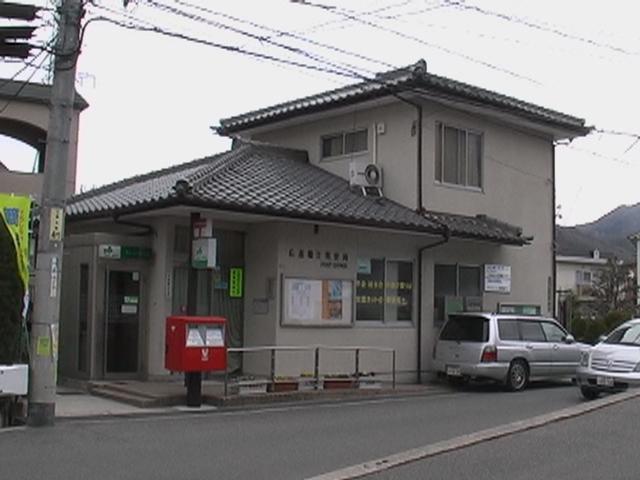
(355, 217)
(575, 277)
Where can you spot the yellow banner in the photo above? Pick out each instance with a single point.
(14, 210)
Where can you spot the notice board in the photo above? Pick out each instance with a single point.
(317, 303)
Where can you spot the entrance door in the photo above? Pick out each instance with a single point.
(122, 322)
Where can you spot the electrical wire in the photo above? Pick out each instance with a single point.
(298, 51)
(463, 5)
(282, 33)
(419, 40)
(221, 46)
(24, 83)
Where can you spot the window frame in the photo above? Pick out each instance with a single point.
(384, 322)
(440, 154)
(343, 134)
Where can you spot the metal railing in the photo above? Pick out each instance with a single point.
(316, 349)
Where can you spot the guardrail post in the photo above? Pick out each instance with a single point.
(273, 367)
(393, 367)
(316, 367)
(357, 374)
(226, 379)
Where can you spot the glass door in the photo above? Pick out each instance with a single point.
(122, 322)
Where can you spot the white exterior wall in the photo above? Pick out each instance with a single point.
(517, 182)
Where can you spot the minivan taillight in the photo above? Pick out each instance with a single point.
(489, 354)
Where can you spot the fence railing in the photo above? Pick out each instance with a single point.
(315, 349)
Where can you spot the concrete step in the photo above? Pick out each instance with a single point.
(129, 398)
(123, 388)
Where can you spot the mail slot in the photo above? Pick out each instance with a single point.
(195, 344)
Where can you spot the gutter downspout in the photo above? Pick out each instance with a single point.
(553, 233)
(443, 240)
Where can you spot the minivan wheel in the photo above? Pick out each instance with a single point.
(517, 376)
(589, 393)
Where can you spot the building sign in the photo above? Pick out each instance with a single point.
(236, 282)
(203, 228)
(56, 224)
(204, 253)
(326, 258)
(497, 278)
(123, 252)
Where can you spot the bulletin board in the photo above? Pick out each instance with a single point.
(317, 303)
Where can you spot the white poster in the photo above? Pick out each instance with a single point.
(301, 300)
(194, 338)
(497, 278)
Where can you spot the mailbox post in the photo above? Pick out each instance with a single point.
(194, 345)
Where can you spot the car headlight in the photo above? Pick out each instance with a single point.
(584, 359)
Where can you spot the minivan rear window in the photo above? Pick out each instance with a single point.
(466, 328)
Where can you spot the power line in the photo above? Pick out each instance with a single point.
(282, 33)
(221, 46)
(419, 40)
(25, 82)
(503, 16)
(198, 18)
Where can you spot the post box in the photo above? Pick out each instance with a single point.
(195, 344)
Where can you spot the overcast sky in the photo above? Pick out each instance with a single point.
(153, 98)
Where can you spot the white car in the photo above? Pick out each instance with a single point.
(613, 364)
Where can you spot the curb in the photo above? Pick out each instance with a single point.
(431, 450)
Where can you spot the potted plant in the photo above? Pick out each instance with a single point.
(283, 384)
(338, 381)
(307, 381)
(250, 385)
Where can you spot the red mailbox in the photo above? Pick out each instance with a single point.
(195, 344)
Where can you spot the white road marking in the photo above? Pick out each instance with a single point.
(426, 451)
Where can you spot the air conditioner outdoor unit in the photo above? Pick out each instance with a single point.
(366, 177)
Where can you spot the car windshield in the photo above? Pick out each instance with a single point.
(626, 335)
(465, 328)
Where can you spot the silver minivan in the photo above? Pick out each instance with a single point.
(510, 349)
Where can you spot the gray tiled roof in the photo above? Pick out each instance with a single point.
(274, 181)
(34, 92)
(412, 78)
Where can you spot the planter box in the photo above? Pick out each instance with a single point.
(338, 383)
(308, 384)
(371, 384)
(252, 387)
(283, 386)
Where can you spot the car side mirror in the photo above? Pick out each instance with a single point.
(602, 338)
(569, 338)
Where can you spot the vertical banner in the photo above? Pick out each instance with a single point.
(15, 211)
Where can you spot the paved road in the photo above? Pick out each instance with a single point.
(278, 443)
(599, 445)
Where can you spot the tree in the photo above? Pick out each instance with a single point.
(614, 288)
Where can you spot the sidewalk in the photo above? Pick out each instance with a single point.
(148, 398)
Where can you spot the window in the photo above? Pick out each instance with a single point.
(384, 290)
(458, 156)
(455, 281)
(344, 143)
(508, 330)
(462, 328)
(553, 333)
(583, 277)
(531, 331)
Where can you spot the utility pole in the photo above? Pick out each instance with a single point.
(44, 330)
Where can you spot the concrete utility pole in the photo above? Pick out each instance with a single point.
(44, 331)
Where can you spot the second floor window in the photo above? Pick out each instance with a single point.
(458, 156)
(344, 143)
